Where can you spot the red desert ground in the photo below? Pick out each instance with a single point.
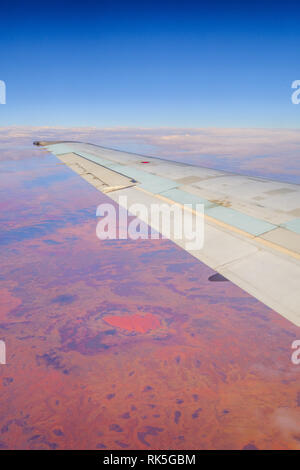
(127, 344)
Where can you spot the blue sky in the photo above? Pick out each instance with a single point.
(150, 64)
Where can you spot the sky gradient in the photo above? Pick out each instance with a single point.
(127, 64)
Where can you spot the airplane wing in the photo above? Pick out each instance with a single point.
(252, 225)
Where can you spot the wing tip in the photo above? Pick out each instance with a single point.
(48, 142)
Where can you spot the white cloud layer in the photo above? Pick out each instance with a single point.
(265, 152)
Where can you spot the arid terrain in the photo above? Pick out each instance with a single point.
(125, 344)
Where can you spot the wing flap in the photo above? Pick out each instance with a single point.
(102, 178)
